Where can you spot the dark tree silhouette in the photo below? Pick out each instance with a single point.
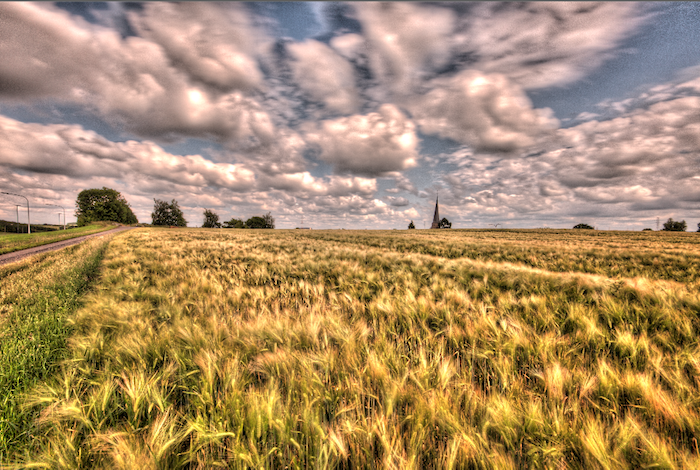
(674, 226)
(211, 219)
(165, 213)
(234, 223)
(103, 204)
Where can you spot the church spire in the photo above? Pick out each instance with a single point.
(436, 216)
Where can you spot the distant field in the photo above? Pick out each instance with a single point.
(362, 349)
(10, 242)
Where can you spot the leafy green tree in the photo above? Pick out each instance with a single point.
(583, 226)
(269, 220)
(103, 204)
(256, 222)
(411, 225)
(211, 219)
(674, 226)
(266, 221)
(165, 213)
(444, 223)
(234, 223)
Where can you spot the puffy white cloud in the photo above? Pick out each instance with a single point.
(412, 213)
(403, 39)
(644, 163)
(133, 82)
(56, 161)
(371, 144)
(348, 45)
(644, 156)
(214, 43)
(306, 184)
(397, 201)
(72, 151)
(283, 152)
(324, 76)
(57, 149)
(38, 46)
(487, 111)
(540, 44)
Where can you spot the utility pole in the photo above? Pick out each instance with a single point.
(17, 209)
(29, 226)
(657, 224)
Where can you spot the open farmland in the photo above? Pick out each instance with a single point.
(411, 349)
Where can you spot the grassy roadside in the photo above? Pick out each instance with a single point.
(21, 241)
(35, 300)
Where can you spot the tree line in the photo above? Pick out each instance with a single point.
(211, 220)
(109, 205)
(669, 226)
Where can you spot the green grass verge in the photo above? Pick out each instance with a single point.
(20, 241)
(36, 300)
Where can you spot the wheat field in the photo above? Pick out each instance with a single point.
(366, 349)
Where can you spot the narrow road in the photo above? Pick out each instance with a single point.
(21, 254)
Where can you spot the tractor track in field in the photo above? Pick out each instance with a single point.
(22, 254)
(641, 284)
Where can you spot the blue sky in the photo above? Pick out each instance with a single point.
(356, 114)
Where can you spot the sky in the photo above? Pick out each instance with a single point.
(356, 115)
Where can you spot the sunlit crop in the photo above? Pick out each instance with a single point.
(425, 349)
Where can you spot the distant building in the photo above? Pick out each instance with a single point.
(436, 217)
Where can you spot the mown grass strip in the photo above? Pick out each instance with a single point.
(34, 330)
(15, 242)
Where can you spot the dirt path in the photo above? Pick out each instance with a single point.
(21, 254)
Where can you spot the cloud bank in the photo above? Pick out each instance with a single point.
(361, 124)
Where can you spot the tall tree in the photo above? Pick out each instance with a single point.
(103, 204)
(444, 223)
(165, 213)
(411, 225)
(269, 220)
(675, 226)
(211, 219)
